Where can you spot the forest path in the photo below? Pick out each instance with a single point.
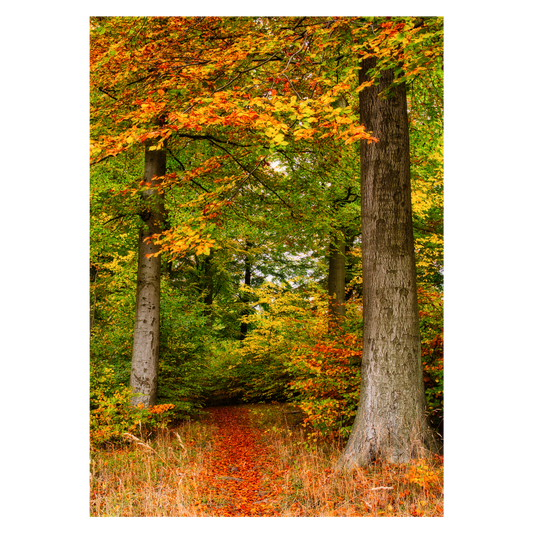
(240, 481)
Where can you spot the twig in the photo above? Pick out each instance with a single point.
(255, 175)
(240, 73)
(239, 187)
(116, 218)
(101, 89)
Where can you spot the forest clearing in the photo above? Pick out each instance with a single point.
(227, 465)
(267, 239)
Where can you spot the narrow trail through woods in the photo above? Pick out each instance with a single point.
(240, 480)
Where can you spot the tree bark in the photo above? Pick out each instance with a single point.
(337, 279)
(391, 419)
(208, 290)
(145, 357)
(246, 297)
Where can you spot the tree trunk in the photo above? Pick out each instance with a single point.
(208, 290)
(337, 279)
(145, 358)
(246, 297)
(337, 264)
(390, 423)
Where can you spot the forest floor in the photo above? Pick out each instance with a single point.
(253, 460)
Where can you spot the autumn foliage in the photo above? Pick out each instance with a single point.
(113, 417)
(253, 461)
(291, 353)
(327, 381)
(259, 121)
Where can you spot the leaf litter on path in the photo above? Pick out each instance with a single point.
(240, 480)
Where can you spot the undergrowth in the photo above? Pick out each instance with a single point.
(166, 474)
(312, 486)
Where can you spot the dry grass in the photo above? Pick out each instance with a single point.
(311, 485)
(157, 476)
(166, 476)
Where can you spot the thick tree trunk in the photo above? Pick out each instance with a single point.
(337, 278)
(145, 358)
(390, 423)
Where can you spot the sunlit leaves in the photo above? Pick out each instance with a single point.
(134, 84)
(186, 239)
(228, 97)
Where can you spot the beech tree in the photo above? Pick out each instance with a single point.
(175, 80)
(391, 418)
(145, 356)
(228, 97)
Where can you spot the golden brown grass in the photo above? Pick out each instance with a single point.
(312, 486)
(165, 475)
(156, 476)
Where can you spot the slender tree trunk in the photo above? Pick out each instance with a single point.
(337, 278)
(208, 289)
(337, 263)
(246, 299)
(145, 358)
(390, 422)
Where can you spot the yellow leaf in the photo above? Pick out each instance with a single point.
(271, 132)
(305, 133)
(364, 85)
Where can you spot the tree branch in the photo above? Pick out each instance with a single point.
(115, 218)
(245, 179)
(102, 90)
(240, 73)
(185, 170)
(211, 138)
(254, 174)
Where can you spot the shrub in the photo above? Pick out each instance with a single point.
(431, 332)
(256, 369)
(113, 417)
(327, 381)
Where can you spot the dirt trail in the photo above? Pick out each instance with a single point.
(239, 480)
